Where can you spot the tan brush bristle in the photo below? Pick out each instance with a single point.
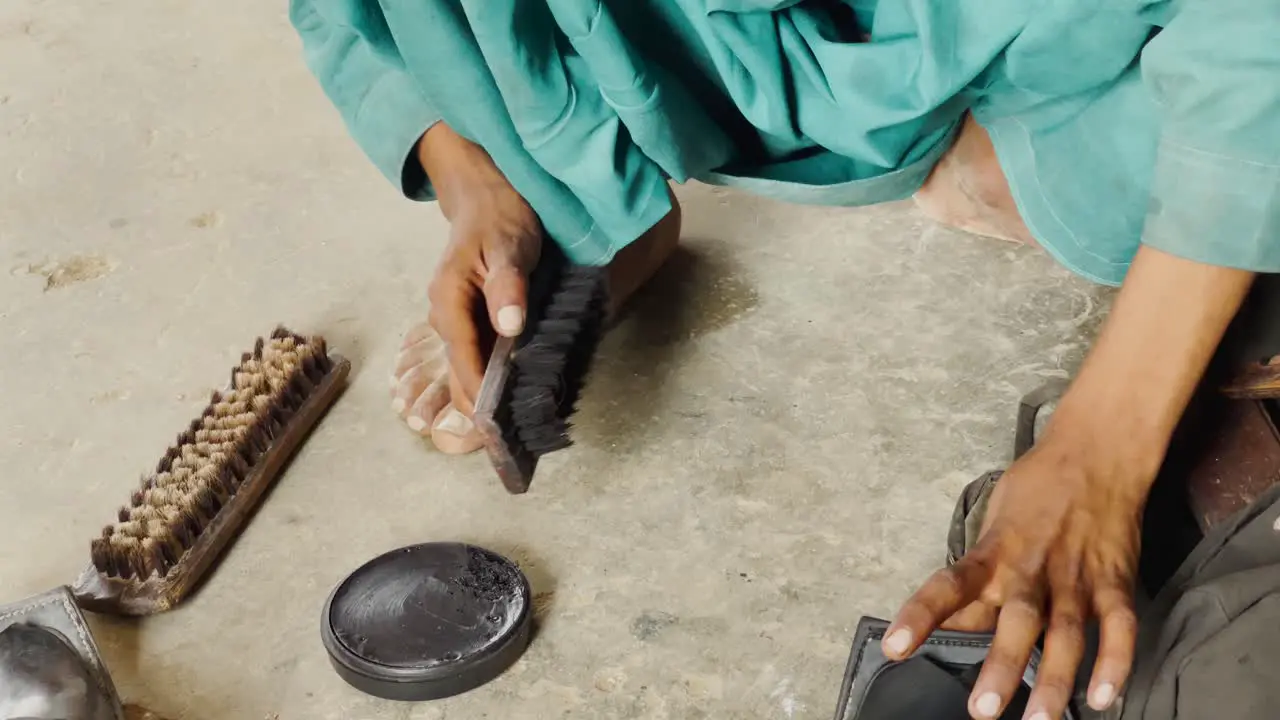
(211, 458)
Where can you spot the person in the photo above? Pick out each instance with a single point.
(1138, 142)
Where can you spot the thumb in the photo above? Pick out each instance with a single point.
(506, 297)
(506, 289)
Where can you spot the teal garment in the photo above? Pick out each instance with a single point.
(1117, 122)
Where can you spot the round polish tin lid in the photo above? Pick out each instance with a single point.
(428, 621)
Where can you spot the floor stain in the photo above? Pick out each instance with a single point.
(699, 291)
(206, 220)
(137, 712)
(109, 396)
(542, 603)
(647, 625)
(75, 269)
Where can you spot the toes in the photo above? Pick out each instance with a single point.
(428, 405)
(453, 432)
(421, 393)
(429, 350)
(420, 362)
(409, 387)
(417, 334)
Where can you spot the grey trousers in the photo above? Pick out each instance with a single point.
(1209, 642)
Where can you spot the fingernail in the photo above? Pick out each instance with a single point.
(510, 320)
(988, 705)
(397, 405)
(1102, 696)
(898, 642)
(454, 423)
(416, 423)
(1042, 715)
(394, 382)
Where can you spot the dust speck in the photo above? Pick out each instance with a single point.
(610, 680)
(206, 220)
(75, 269)
(705, 687)
(117, 223)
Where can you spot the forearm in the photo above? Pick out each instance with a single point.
(1136, 382)
(457, 167)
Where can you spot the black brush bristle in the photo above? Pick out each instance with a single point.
(551, 368)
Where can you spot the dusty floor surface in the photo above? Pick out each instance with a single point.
(770, 450)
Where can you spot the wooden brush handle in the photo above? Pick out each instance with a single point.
(514, 468)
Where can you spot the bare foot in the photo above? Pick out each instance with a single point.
(423, 388)
(420, 392)
(968, 191)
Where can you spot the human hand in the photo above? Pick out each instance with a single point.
(1059, 547)
(479, 289)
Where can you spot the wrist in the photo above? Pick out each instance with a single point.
(442, 154)
(456, 167)
(1113, 432)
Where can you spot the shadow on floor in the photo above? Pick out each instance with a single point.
(700, 290)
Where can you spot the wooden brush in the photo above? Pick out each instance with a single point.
(532, 384)
(208, 482)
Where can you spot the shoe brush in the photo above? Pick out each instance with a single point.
(205, 487)
(532, 383)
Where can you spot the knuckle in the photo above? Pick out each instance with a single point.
(1023, 610)
(434, 320)
(450, 274)
(1054, 690)
(949, 579)
(1056, 684)
(500, 278)
(1003, 665)
(945, 590)
(436, 288)
(1122, 619)
(1067, 622)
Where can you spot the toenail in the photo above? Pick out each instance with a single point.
(511, 320)
(416, 423)
(398, 405)
(454, 423)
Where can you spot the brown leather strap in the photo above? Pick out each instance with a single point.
(1257, 381)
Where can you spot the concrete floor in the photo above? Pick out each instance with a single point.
(770, 449)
